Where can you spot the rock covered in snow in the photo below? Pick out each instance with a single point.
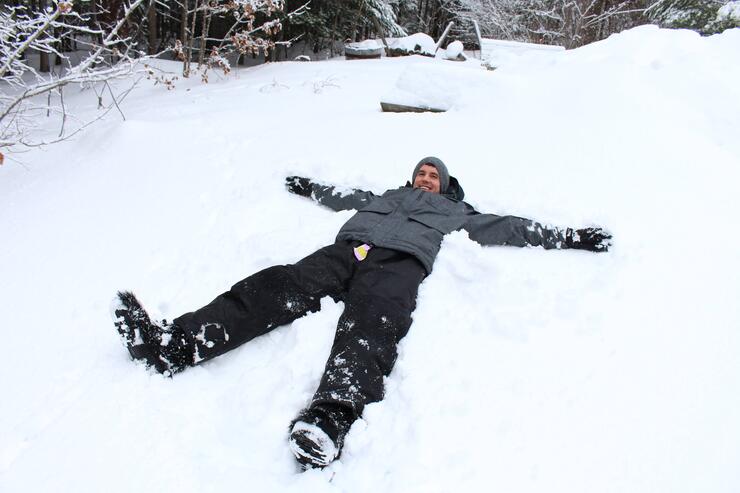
(416, 44)
(368, 44)
(454, 51)
(369, 48)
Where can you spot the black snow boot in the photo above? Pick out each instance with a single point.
(159, 345)
(317, 434)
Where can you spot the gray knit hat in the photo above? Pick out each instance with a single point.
(444, 175)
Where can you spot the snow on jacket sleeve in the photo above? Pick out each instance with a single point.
(490, 229)
(333, 197)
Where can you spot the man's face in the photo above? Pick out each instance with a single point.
(427, 178)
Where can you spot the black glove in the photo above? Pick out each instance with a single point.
(592, 239)
(298, 185)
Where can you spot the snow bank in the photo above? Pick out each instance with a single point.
(524, 370)
(496, 52)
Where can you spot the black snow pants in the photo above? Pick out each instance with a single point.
(379, 295)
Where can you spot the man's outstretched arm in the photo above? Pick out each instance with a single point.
(329, 195)
(490, 229)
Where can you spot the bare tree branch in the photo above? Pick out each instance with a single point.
(113, 96)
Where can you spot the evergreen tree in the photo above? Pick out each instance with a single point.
(728, 17)
(698, 15)
(381, 13)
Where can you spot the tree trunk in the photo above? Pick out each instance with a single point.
(333, 35)
(152, 21)
(204, 32)
(602, 25)
(184, 22)
(62, 49)
(425, 20)
(44, 65)
(280, 37)
(189, 51)
(357, 20)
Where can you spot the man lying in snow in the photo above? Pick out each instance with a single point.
(375, 266)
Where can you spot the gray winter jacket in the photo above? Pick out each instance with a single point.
(414, 221)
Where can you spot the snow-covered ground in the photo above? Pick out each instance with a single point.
(525, 370)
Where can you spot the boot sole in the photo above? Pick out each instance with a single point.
(311, 446)
(133, 325)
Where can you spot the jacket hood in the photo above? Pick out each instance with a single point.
(455, 190)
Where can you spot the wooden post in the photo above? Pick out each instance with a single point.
(444, 35)
(480, 38)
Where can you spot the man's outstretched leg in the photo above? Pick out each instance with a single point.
(268, 299)
(376, 316)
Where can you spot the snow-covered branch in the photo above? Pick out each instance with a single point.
(37, 27)
(27, 35)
